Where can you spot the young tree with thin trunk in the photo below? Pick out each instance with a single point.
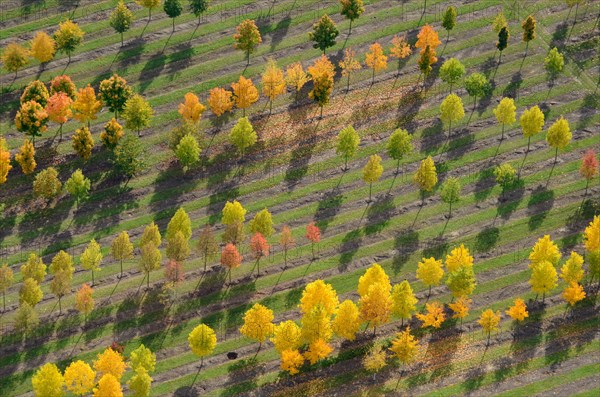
(349, 64)
(451, 109)
(347, 143)
(150, 259)
(375, 359)
(559, 135)
(173, 9)
(426, 176)
(244, 94)
(31, 118)
(43, 47)
(259, 248)
(230, 258)
(80, 378)
(506, 113)
(287, 242)
(121, 19)
(60, 286)
(129, 157)
(499, 22)
(324, 33)
(589, 167)
(400, 49)
(502, 43)
(48, 381)
(296, 77)
(26, 157)
(452, 71)
(91, 258)
(477, 85)
(84, 302)
(262, 223)
(122, 249)
(544, 250)
(243, 135)
(151, 234)
(68, 36)
(220, 101)
(373, 275)
(372, 172)
(528, 26)
(137, 113)
(399, 145)
(202, 341)
(115, 92)
(572, 270)
(30, 292)
(258, 324)
(78, 186)
(573, 293)
(140, 383)
(450, 192)
(346, 323)
(434, 315)
(449, 20)
(461, 308)
(188, 152)
(518, 312)
(430, 272)
(86, 106)
(34, 268)
(273, 83)
(15, 57)
(83, 143)
(375, 306)
(149, 4)
(505, 175)
(198, 7)
(489, 322)
(247, 38)
(207, 245)
(532, 122)
(426, 60)
(543, 278)
(404, 301)
(59, 111)
(405, 347)
(554, 63)
(375, 59)
(322, 73)
(178, 248)
(313, 234)
(352, 9)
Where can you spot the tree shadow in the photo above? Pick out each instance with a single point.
(405, 243)
(180, 59)
(186, 391)
(348, 248)
(559, 35)
(433, 137)
(509, 199)
(298, 165)
(487, 239)
(539, 205)
(125, 319)
(485, 180)
(379, 214)
(589, 108)
(152, 69)
(408, 107)
(242, 376)
(437, 247)
(279, 32)
(132, 53)
(512, 88)
(487, 66)
(328, 207)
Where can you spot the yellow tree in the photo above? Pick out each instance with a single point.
(428, 37)
(319, 293)
(86, 106)
(405, 347)
(26, 157)
(400, 49)
(434, 317)
(573, 293)
(142, 357)
(316, 324)
(372, 172)
(34, 268)
(258, 324)
(532, 122)
(112, 134)
(84, 301)
(110, 362)
(322, 73)
(68, 36)
(489, 322)
(375, 359)
(543, 278)
(544, 250)
(244, 94)
(149, 4)
(191, 109)
(43, 47)
(559, 135)
(296, 77)
(83, 143)
(30, 292)
(140, 383)
(31, 118)
(317, 350)
(6, 280)
(108, 385)
(374, 274)
(451, 109)
(347, 320)
(430, 272)
(273, 83)
(15, 57)
(286, 336)
(291, 360)
(426, 176)
(262, 223)
(220, 101)
(461, 307)
(202, 341)
(404, 301)
(376, 306)
(461, 282)
(47, 381)
(91, 258)
(518, 311)
(349, 64)
(247, 37)
(121, 248)
(457, 258)
(58, 108)
(375, 59)
(572, 270)
(506, 112)
(79, 378)
(5, 166)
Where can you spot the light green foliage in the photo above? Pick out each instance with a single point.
(180, 222)
(477, 85)
(449, 18)
(142, 357)
(46, 184)
(78, 185)
(129, 156)
(554, 62)
(347, 143)
(137, 113)
(262, 223)
(505, 175)
(450, 193)
(34, 268)
(188, 152)
(242, 135)
(452, 71)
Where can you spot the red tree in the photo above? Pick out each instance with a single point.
(589, 167)
(313, 233)
(259, 248)
(230, 258)
(173, 271)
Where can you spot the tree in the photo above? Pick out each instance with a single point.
(83, 143)
(5, 166)
(258, 323)
(242, 135)
(61, 286)
(140, 383)
(198, 7)
(319, 293)
(451, 109)
(262, 223)
(191, 109)
(295, 77)
(121, 19)
(151, 234)
(317, 351)
(372, 172)
(426, 59)
(573, 293)
(322, 73)
(230, 258)
(324, 33)
(286, 241)
(137, 113)
(34, 268)
(273, 83)
(43, 47)
(247, 38)
(188, 152)
(142, 357)
(450, 192)
(349, 64)
(399, 145)
(589, 167)
(150, 258)
(461, 282)
(477, 85)
(173, 273)
(202, 340)
(84, 301)
(316, 324)
(400, 49)
(177, 247)
(449, 19)
(518, 312)
(62, 262)
(108, 385)
(91, 258)
(505, 175)
(244, 94)
(110, 362)
(233, 212)
(499, 22)
(405, 347)
(220, 101)
(572, 270)
(68, 36)
(347, 320)
(554, 63)
(570, 4)
(528, 26)
(352, 9)
(47, 381)
(121, 248)
(375, 359)
(15, 57)
(112, 134)
(286, 336)
(426, 176)
(435, 315)
(173, 9)
(35, 91)
(544, 250)
(347, 143)
(374, 275)
(376, 59)
(313, 234)
(404, 301)
(129, 156)
(291, 360)
(430, 272)
(259, 248)
(428, 37)
(59, 111)
(458, 257)
(502, 43)
(375, 307)
(461, 307)
(86, 106)
(489, 322)
(115, 92)
(532, 122)
(30, 292)
(452, 71)
(46, 184)
(78, 186)
(149, 4)
(207, 246)
(559, 135)
(26, 157)
(31, 118)
(591, 242)
(506, 113)
(63, 83)
(543, 278)
(26, 319)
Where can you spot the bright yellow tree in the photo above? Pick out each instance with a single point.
(506, 112)
(220, 101)
(273, 83)
(375, 359)
(108, 385)
(375, 59)
(434, 317)
(319, 293)
(458, 257)
(405, 347)
(322, 73)
(258, 323)
(43, 47)
(544, 250)
(372, 172)
(376, 306)
(572, 270)
(316, 324)
(202, 341)
(426, 176)
(518, 311)
(543, 278)
(573, 293)
(461, 307)
(451, 109)
(191, 109)
(291, 360)
(86, 106)
(296, 77)
(374, 274)
(15, 57)
(79, 378)
(317, 350)
(404, 301)
(48, 381)
(5, 166)
(347, 320)
(142, 357)
(286, 336)
(244, 94)
(430, 272)
(110, 362)
(559, 135)
(532, 122)
(26, 157)
(489, 322)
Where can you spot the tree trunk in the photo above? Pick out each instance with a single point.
(373, 77)
(555, 155)
(229, 276)
(313, 250)
(429, 293)
(502, 138)
(148, 280)
(398, 167)
(93, 278)
(173, 24)
(345, 163)
(450, 213)
(121, 268)
(4, 300)
(121, 39)
(449, 128)
(528, 142)
(248, 57)
(149, 14)
(205, 260)
(60, 132)
(59, 305)
(350, 29)
(321, 116)
(370, 188)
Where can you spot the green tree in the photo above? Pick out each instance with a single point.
(140, 383)
(262, 223)
(449, 19)
(180, 222)
(247, 37)
(452, 71)
(372, 172)
(151, 234)
(121, 19)
(46, 184)
(115, 92)
(242, 135)
(149, 4)
(6, 280)
(451, 109)
(15, 57)
(78, 186)
(324, 33)
(477, 85)
(461, 282)
(178, 248)
(137, 113)
(505, 175)
(91, 258)
(503, 36)
(121, 249)
(352, 9)
(68, 36)
(399, 145)
(347, 143)
(425, 61)
(554, 62)
(198, 7)
(129, 157)
(559, 135)
(188, 152)
(451, 192)
(173, 9)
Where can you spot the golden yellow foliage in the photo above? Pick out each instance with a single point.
(591, 235)
(430, 271)
(574, 293)
(110, 362)
(191, 109)
(374, 274)
(489, 320)
(458, 257)
(405, 346)
(374, 361)
(375, 58)
(518, 311)
(79, 378)
(376, 305)
(347, 320)
(220, 101)
(319, 293)
(286, 336)
(86, 106)
(572, 270)
(43, 47)
(244, 93)
(258, 323)
(461, 307)
(435, 315)
(400, 47)
(544, 250)
(291, 360)
(317, 350)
